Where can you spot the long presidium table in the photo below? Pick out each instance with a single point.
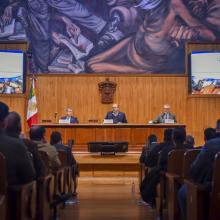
(134, 134)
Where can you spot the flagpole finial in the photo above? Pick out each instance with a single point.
(33, 76)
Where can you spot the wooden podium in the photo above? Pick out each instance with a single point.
(134, 134)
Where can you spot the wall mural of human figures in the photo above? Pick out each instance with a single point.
(109, 36)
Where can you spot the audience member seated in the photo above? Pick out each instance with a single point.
(69, 116)
(151, 142)
(201, 169)
(149, 184)
(37, 135)
(218, 128)
(179, 137)
(13, 129)
(19, 166)
(56, 141)
(209, 133)
(190, 141)
(152, 156)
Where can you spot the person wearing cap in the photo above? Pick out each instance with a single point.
(165, 115)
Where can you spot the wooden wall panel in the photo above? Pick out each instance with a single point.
(140, 96)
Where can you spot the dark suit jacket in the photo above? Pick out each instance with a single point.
(73, 120)
(120, 118)
(202, 168)
(19, 166)
(145, 150)
(152, 156)
(40, 167)
(70, 158)
(163, 160)
(161, 118)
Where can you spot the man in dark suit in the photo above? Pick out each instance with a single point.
(56, 141)
(153, 154)
(69, 116)
(19, 166)
(116, 115)
(165, 115)
(149, 184)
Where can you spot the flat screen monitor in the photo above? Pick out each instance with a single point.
(204, 72)
(12, 72)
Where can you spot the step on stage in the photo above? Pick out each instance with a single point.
(97, 165)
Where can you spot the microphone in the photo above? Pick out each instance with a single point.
(55, 116)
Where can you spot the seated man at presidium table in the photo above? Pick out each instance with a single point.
(69, 117)
(117, 116)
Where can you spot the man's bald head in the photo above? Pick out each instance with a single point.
(166, 108)
(115, 108)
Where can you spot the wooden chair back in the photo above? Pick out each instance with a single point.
(160, 193)
(199, 196)
(63, 158)
(23, 199)
(45, 193)
(45, 158)
(59, 181)
(175, 161)
(70, 143)
(214, 210)
(173, 182)
(3, 188)
(189, 157)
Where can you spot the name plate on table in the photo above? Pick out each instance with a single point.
(108, 121)
(64, 121)
(169, 121)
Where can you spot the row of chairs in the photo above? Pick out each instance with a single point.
(40, 199)
(178, 173)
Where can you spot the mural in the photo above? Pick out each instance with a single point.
(109, 36)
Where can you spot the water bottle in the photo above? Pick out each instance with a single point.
(133, 190)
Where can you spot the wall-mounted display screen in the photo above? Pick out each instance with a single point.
(12, 72)
(205, 72)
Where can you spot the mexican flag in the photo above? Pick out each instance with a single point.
(32, 105)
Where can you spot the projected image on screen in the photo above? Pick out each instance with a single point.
(205, 72)
(11, 72)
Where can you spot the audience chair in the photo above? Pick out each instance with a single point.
(201, 203)
(3, 188)
(45, 193)
(173, 182)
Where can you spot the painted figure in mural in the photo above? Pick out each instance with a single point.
(113, 35)
(156, 46)
(35, 16)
